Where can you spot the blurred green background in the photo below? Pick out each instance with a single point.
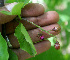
(63, 9)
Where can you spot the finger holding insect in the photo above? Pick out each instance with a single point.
(56, 29)
(36, 32)
(35, 35)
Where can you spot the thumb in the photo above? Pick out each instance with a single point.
(6, 18)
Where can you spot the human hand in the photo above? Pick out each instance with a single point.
(47, 21)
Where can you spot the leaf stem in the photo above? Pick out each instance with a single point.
(39, 27)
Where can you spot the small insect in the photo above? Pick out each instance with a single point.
(57, 45)
(56, 29)
(40, 35)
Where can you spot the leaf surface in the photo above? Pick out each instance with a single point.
(12, 55)
(24, 40)
(3, 49)
(17, 9)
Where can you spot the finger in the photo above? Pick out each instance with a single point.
(5, 18)
(50, 17)
(34, 35)
(40, 47)
(32, 10)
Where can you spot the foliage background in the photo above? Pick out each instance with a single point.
(63, 9)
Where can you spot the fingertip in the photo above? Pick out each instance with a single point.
(42, 46)
(53, 15)
(47, 18)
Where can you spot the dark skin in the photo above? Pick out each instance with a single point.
(47, 23)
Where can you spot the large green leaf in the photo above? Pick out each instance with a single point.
(3, 49)
(24, 39)
(12, 55)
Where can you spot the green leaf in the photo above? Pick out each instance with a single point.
(3, 49)
(12, 55)
(17, 9)
(51, 39)
(24, 40)
(6, 12)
